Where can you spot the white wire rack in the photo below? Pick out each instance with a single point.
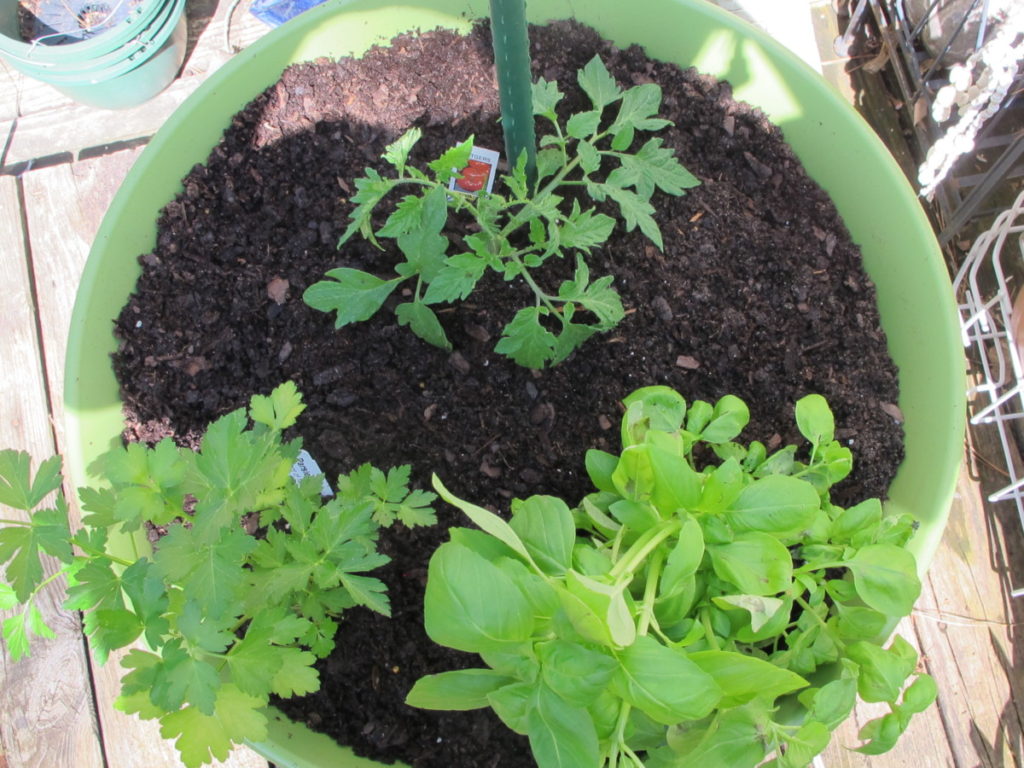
(992, 322)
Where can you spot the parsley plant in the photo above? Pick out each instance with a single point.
(519, 230)
(228, 618)
(665, 619)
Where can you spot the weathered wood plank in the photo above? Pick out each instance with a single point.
(66, 204)
(23, 96)
(969, 627)
(46, 701)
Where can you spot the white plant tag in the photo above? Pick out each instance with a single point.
(479, 174)
(306, 466)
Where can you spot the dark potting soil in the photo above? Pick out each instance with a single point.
(759, 292)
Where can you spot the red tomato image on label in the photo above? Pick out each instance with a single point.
(475, 175)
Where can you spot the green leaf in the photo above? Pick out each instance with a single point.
(833, 702)
(201, 738)
(423, 322)
(684, 558)
(761, 609)
(212, 573)
(512, 704)
(546, 528)
(549, 162)
(781, 505)
(919, 695)
(636, 108)
(110, 629)
(590, 156)
(525, 340)
(354, 295)
(663, 683)
(17, 630)
(20, 547)
(886, 578)
(370, 190)
(424, 251)
(459, 690)
(17, 488)
(452, 161)
(407, 217)
(94, 584)
(599, 86)
(456, 279)
(583, 125)
(471, 604)
(733, 740)
(280, 409)
(637, 212)
(600, 466)
(814, 420)
(7, 597)
(572, 336)
(882, 671)
(296, 677)
(486, 520)
(205, 632)
(757, 563)
(598, 611)
(881, 734)
(397, 153)
(585, 229)
(742, 677)
(574, 672)
(728, 418)
(858, 523)
(561, 735)
(545, 98)
(804, 745)
(183, 678)
(368, 591)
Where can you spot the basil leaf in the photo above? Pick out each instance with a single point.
(460, 690)
(545, 526)
(562, 735)
(756, 563)
(663, 683)
(471, 604)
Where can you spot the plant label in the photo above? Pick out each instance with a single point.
(479, 174)
(306, 466)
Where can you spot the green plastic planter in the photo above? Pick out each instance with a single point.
(838, 149)
(118, 68)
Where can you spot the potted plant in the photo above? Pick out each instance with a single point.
(111, 56)
(912, 287)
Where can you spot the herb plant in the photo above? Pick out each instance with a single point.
(678, 612)
(229, 618)
(520, 231)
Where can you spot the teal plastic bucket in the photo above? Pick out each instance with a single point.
(119, 68)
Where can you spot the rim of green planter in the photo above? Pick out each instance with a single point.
(21, 53)
(143, 45)
(154, 69)
(836, 146)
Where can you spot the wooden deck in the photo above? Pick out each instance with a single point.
(59, 168)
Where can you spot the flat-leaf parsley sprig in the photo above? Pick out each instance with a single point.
(229, 619)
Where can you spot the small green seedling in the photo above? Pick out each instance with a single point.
(665, 620)
(228, 619)
(518, 232)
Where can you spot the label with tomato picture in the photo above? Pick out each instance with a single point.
(479, 174)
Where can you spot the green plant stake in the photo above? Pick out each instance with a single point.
(663, 621)
(511, 43)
